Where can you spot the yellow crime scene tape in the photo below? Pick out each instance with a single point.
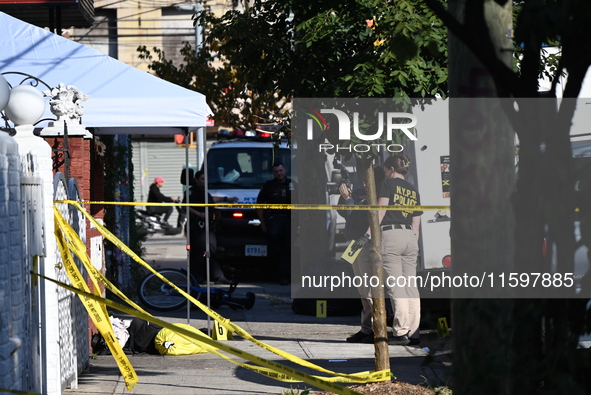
(202, 338)
(76, 246)
(231, 327)
(96, 311)
(274, 206)
(269, 373)
(80, 251)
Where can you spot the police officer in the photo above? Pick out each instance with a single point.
(357, 222)
(197, 220)
(277, 223)
(400, 234)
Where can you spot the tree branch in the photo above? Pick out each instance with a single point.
(507, 82)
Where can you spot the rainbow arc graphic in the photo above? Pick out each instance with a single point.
(317, 117)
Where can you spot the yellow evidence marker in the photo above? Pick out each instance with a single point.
(442, 328)
(220, 333)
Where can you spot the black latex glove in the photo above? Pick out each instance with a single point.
(360, 243)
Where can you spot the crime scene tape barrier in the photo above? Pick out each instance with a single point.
(231, 327)
(77, 246)
(227, 324)
(81, 252)
(84, 258)
(273, 206)
(71, 268)
(202, 338)
(96, 311)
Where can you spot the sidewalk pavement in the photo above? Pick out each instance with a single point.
(271, 320)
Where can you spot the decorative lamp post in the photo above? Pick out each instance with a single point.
(22, 103)
(25, 107)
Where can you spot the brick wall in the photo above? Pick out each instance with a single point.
(87, 168)
(80, 166)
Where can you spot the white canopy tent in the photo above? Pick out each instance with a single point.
(123, 99)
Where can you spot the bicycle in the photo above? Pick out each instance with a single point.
(158, 295)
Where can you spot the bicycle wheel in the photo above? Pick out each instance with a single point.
(156, 294)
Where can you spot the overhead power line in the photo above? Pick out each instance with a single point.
(136, 35)
(111, 28)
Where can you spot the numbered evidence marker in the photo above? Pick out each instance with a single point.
(350, 253)
(442, 328)
(220, 333)
(321, 306)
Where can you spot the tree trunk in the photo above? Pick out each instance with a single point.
(483, 181)
(311, 189)
(380, 330)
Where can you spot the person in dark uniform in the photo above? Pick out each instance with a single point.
(277, 223)
(357, 222)
(198, 235)
(155, 196)
(400, 247)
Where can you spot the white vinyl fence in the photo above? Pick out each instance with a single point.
(43, 328)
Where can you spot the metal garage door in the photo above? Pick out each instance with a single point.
(159, 158)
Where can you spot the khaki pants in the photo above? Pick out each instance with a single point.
(362, 266)
(399, 253)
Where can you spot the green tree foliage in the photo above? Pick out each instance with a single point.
(225, 86)
(279, 49)
(333, 49)
(352, 48)
(347, 49)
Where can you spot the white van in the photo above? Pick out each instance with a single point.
(239, 168)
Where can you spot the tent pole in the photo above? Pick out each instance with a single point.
(207, 251)
(188, 183)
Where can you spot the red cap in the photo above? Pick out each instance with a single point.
(158, 179)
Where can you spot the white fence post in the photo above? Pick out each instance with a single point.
(33, 247)
(15, 345)
(50, 351)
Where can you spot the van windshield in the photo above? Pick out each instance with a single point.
(244, 168)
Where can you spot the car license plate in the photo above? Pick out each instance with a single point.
(255, 250)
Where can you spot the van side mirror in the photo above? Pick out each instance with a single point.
(183, 179)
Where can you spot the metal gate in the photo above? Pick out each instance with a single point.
(73, 319)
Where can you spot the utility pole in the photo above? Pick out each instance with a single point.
(198, 29)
